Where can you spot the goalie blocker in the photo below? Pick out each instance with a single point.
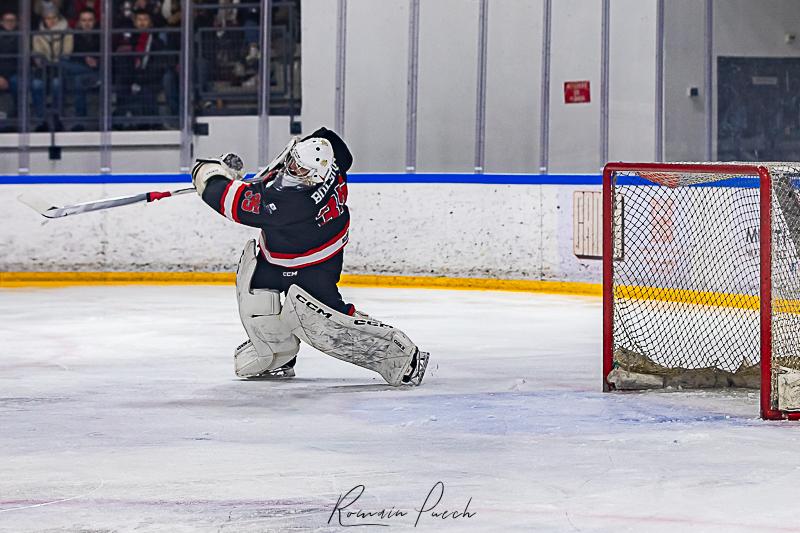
(273, 331)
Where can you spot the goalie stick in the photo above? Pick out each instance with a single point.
(47, 209)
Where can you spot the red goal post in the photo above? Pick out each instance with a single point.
(689, 263)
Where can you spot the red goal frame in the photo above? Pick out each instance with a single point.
(765, 262)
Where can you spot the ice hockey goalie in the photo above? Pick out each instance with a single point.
(287, 282)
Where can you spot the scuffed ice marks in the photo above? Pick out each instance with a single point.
(249, 516)
(183, 515)
(24, 403)
(540, 413)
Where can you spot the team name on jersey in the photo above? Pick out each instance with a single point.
(319, 194)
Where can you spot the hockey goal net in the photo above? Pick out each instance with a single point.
(701, 287)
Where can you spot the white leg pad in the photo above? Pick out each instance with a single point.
(365, 342)
(259, 309)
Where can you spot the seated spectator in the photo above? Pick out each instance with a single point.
(140, 76)
(81, 70)
(153, 7)
(50, 45)
(231, 52)
(227, 14)
(41, 6)
(9, 49)
(171, 12)
(123, 18)
(250, 20)
(79, 6)
(126, 14)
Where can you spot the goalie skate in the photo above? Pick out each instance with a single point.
(246, 350)
(416, 370)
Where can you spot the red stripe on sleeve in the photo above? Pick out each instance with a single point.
(236, 200)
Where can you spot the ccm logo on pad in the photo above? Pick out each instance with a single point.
(314, 307)
(362, 322)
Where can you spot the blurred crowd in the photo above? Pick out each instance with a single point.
(65, 68)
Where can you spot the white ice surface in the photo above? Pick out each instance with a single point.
(119, 410)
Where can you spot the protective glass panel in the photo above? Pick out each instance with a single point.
(227, 59)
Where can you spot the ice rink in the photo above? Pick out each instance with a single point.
(119, 411)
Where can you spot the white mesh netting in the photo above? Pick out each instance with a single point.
(686, 287)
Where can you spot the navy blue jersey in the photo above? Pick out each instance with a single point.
(299, 227)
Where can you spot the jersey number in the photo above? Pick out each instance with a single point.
(334, 206)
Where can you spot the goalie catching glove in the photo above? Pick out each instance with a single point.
(228, 166)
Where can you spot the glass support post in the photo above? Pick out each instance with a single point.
(341, 56)
(659, 96)
(23, 88)
(105, 93)
(186, 106)
(412, 86)
(544, 112)
(709, 77)
(264, 81)
(604, 80)
(480, 104)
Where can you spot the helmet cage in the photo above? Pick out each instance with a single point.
(296, 169)
(307, 174)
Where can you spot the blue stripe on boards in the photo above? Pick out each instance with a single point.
(396, 178)
(69, 179)
(483, 179)
(490, 179)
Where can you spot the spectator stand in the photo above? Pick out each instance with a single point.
(121, 65)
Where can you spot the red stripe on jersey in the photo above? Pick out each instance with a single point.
(222, 198)
(318, 261)
(303, 265)
(313, 250)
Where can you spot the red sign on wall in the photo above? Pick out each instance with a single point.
(577, 92)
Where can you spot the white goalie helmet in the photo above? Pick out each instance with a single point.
(310, 162)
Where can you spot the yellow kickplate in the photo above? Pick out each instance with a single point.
(64, 279)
